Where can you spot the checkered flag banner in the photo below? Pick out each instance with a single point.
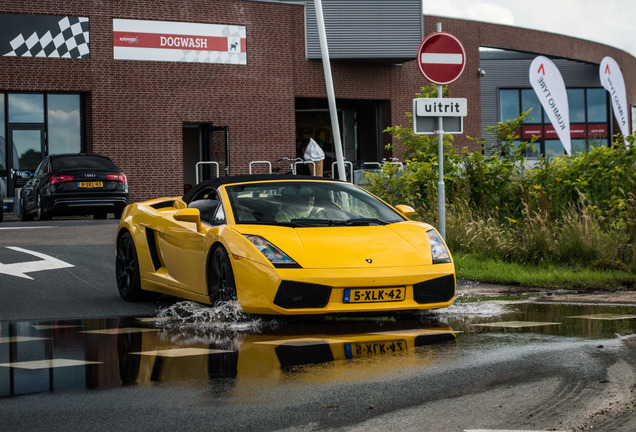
(69, 40)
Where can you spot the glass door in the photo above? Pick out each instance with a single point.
(26, 149)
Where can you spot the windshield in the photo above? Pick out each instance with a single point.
(308, 203)
(72, 162)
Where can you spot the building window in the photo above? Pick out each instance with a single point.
(597, 105)
(64, 123)
(3, 147)
(33, 125)
(26, 108)
(529, 99)
(576, 103)
(508, 105)
(59, 113)
(589, 116)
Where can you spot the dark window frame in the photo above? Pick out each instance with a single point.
(540, 144)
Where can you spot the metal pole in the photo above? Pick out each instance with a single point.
(441, 195)
(331, 97)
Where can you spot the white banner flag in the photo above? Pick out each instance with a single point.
(612, 79)
(548, 84)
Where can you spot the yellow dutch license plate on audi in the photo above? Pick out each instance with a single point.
(90, 184)
(374, 295)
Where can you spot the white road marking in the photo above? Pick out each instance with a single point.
(47, 364)
(25, 227)
(505, 430)
(181, 352)
(10, 339)
(46, 262)
(123, 330)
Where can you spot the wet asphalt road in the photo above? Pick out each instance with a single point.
(476, 366)
(85, 289)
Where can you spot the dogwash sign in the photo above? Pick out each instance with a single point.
(179, 42)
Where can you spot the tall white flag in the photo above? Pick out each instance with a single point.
(548, 84)
(612, 79)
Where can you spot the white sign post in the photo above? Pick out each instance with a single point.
(441, 58)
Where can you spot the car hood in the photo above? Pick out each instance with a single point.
(402, 244)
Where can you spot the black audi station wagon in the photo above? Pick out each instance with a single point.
(74, 184)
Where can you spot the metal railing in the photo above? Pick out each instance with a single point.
(350, 170)
(199, 164)
(349, 167)
(268, 163)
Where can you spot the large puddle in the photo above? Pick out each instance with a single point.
(227, 351)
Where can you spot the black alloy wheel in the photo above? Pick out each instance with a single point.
(23, 214)
(221, 285)
(127, 271)
(42, 214)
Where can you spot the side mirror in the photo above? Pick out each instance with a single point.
(405, 210)
(189, 215)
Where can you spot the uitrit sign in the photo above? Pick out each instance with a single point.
(427, 111)
(448, 107)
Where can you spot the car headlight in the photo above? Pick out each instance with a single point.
(438, 249)
(277, 257)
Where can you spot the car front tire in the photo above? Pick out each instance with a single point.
(221, 285)
(127, 271)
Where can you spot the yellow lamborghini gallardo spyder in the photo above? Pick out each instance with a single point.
(282, 244)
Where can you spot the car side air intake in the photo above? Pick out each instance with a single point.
(437, 290)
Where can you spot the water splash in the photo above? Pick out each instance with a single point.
(223, 316)
(473, 310)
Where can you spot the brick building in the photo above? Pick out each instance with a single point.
(81, 76)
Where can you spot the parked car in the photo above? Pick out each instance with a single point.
(74, 184)
(283, 244)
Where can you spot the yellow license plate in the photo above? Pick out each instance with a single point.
(374, 295)
(90, 184)
(367, 349)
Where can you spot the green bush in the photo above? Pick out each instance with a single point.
(574, 210)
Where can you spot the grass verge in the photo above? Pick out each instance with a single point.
(545, 275)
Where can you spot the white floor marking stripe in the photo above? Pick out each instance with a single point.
(9, 339)
(25, 227)
(47, 364)
(46, 262)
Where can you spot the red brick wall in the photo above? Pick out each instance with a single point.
(135, 109)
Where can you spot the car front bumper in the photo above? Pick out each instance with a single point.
(322, 291)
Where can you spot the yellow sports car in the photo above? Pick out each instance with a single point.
(282, 244)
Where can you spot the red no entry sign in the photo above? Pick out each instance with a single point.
(441, 58)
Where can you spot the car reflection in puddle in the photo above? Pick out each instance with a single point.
(226, 352)
(195, 345)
